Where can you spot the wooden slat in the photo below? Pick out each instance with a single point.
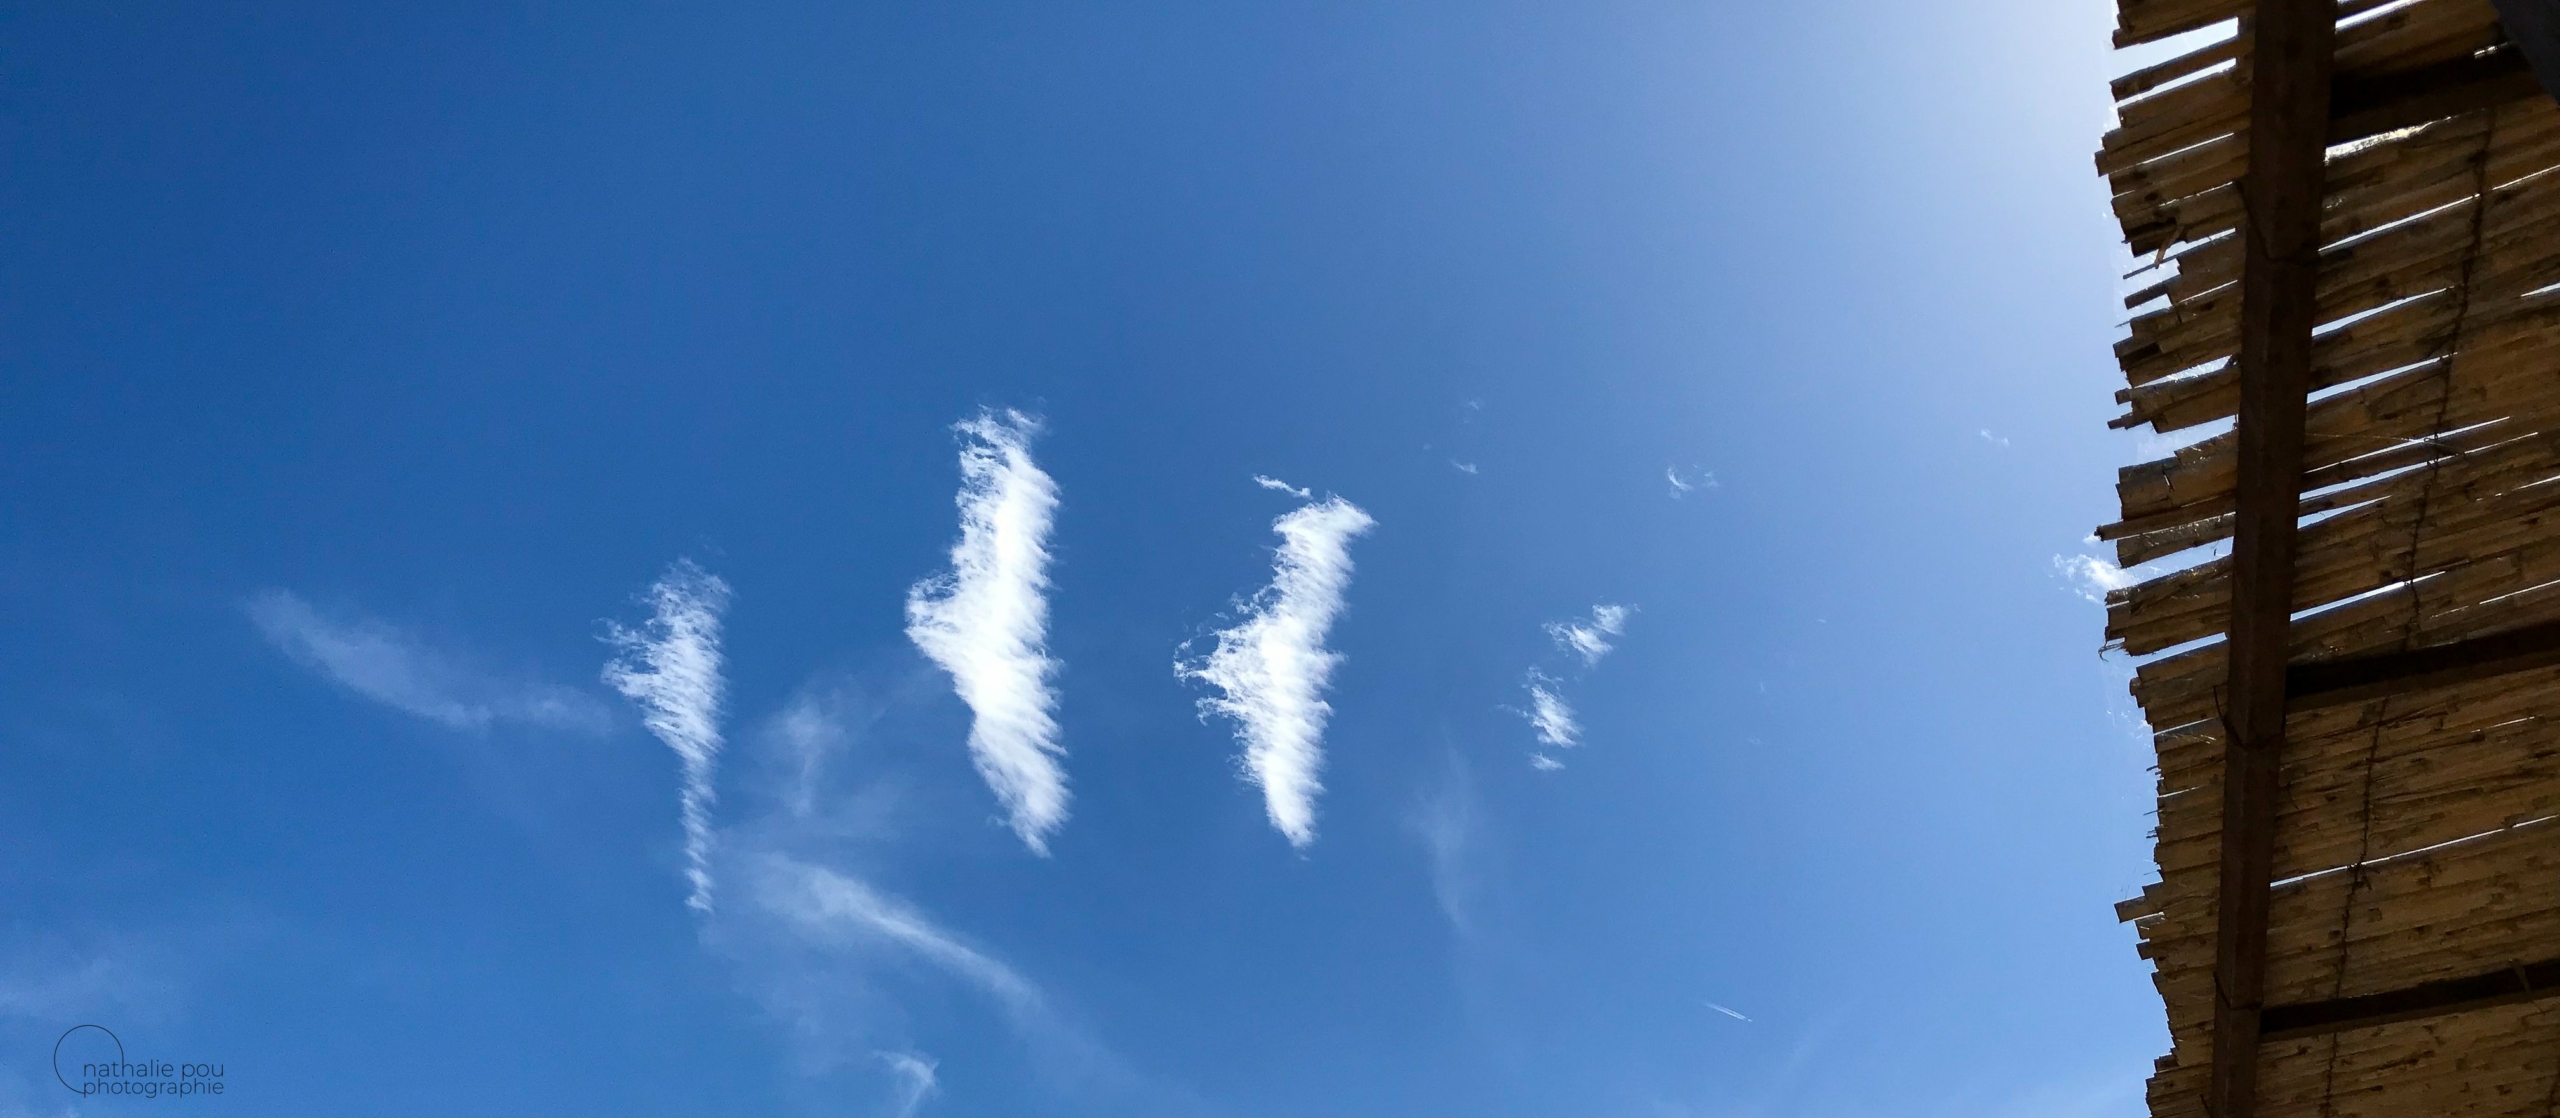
(2371, 106)
(2460, 909)
(2427, 521)
(2355, 680)
(2449, 769)
(2184, 689)
(2494, 1063)
(2365, 274)
(2502, 375)
(2523, 983)
(2145, 21)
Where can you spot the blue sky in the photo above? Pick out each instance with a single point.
(367, 367)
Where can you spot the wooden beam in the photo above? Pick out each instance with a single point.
(2330, 683)
(2290, 61)
(2362, 107)
(2523, 983)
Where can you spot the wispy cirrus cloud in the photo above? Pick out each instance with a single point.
(1272, 667)
(829, 908)
(814, 932)
(1276, 484)
(1591, 639)
(1446, 822)
(391, 666)
(2092, 578)
(986, 622)
(806, 931)
(824, 948)
(670, 667)
(813, 733)
(810, 934)
(918, 1080)
(1550, 714)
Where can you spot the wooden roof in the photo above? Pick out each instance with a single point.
(2397, 852)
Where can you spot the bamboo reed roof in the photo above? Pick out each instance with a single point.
(2417, 820)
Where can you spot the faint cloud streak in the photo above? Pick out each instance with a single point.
(1446, 822)
(391, 667)
(917, 1080)
(828, 907)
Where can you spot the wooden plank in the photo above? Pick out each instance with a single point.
(2492, 1062)
(2502, 376)
(2337, 682)
(2292, 51)
(2364, 107)
(2468, 761)
(2366, 925)
(2522, 983)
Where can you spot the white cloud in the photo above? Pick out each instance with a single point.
(986, 622)
(1550, 714)
(1590, 640)
(1272, 667)
(2092, 577)
(917, 1080)
(1681, 487)
(1995, 440)
(834, 909)
(1544, 763)
(1463, 467)
(1726, 1012)
(671, 668)
(1284, 487)
(391, 667)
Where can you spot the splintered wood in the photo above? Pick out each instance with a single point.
(2417, 834)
